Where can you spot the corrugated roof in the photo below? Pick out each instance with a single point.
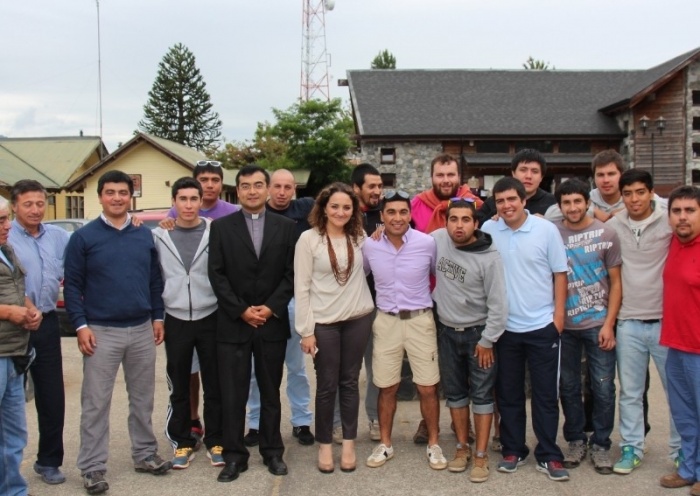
(484, 102)
(51, 161)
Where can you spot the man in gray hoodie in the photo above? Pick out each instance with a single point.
(470, 294)
(190, 323)
(644, 240)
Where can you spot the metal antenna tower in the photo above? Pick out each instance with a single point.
(315, 60)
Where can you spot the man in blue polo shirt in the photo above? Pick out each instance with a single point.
(535, 267)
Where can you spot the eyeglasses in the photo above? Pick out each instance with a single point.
(395, 194)
(213, 163)
(458, 199)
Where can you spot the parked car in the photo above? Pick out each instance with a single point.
(70, 225)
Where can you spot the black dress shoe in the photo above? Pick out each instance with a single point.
(231, 471)
(275, 465)
(303, 434)
(252, 438)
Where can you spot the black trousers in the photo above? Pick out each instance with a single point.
(182, 337)
(234, 377)
(49, 394)
(540, 350)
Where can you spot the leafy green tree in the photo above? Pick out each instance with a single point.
(384, 60)
(537, 65)
(235, 154)
(179, 107)
(313, 135)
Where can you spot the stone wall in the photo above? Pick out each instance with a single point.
(412, 167)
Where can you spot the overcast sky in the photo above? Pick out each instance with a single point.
(249, 52)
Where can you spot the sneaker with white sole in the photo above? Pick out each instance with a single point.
(215, 454)
(435, 457)
(554, 470)
(182, 458)
(510, 463)
(380, 455)
(374, 433)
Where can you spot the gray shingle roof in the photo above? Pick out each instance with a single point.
(483, 103)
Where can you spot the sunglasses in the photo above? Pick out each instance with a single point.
(395, 194)
(213, 163)
(457, 200)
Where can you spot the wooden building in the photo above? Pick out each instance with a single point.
(403, 118)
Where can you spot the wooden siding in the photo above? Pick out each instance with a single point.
(669, 148)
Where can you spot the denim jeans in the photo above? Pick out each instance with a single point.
(601, 369)
(462, 378)
(683, 375)
(636, 342)
(298, 389)
(13, 429)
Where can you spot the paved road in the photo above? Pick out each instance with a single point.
(406, 473)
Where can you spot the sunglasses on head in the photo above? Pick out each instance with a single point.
(213, 163)
(457, 200)
(395, 194)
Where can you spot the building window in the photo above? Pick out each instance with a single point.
(696, 176)
(574, 147)
(696, 150)
(696, 98)
(492, 147)
(75, 207)
(388, 155)
(388, 179)
(696, 123)
(541, 146)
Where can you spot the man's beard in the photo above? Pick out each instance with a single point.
(452, 193)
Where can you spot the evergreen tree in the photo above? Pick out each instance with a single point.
(179, 107)
(536, 65)
(384, 60)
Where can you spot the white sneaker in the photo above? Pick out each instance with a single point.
(338, 435)
(436, 458)
(374, 433)
(380, 455)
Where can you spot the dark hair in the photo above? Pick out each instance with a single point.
(186, 183)
(317, 217)
(632, 176)
(249, 170)
(201, 169)
(684, 193)
(444, 158)
(25, 186)
(115, 176)
(608, 157)
(572, 187)
(357, 178)
(461, 204)
(507, 183)
(529, 155)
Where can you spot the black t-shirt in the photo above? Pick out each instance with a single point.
(298, 210)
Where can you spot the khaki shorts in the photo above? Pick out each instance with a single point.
(417, 336)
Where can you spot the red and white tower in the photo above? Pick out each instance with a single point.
(315, 60)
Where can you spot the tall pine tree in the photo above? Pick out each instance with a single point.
(179, 107)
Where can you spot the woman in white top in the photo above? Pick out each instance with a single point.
(334, 313)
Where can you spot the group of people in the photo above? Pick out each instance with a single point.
(474, 293)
